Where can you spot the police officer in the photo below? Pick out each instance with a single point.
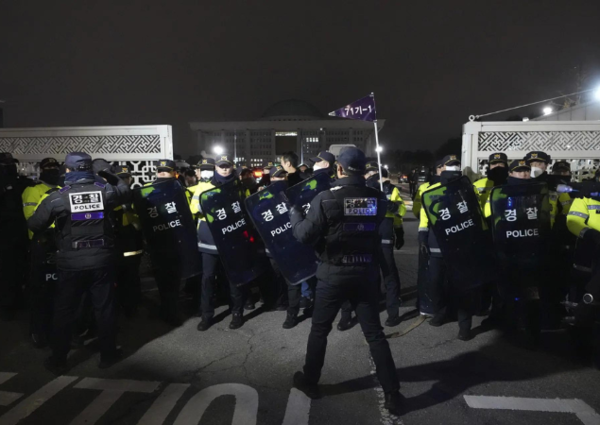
(392, 235)
(167, 276)
(497, 174)
(129, 246)
(424, 296)
(13, 228)
(442, 284)
(43, 274)
(224, 173)
(324, 163)
(85, 258)
(342, 224)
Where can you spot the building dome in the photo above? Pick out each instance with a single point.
(291, 110)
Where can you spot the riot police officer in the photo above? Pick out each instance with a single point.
(224, 173)
(167, 275)
(342, 224)
(85, 258)
(442, 284)
(13, 228)
(324, 163)
(497, 174)
(392, 236)
(43, 274)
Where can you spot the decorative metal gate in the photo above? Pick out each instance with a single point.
(575, 141)
(137, 146)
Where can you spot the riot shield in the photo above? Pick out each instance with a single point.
(521, 231)
(168, 227)
(458, 224)
(240, 249)
(304, 192)
(268, 210)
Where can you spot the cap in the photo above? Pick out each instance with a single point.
(498, 157)
(450, 160)
(100, 164)
(6, 158)
(279, 173)
(561, 165)
(372, 166)
(352, 159)
(165, 165)
(519, 165)
(49, 162)
(324, 156)
(206, 164)
(537, 156)
(78, 161)
(221, 160)
(123, 170)
(439, 163)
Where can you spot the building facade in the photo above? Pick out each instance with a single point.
(289, 125)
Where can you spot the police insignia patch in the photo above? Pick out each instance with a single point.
(360, 207)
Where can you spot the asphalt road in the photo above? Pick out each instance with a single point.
(172, 376)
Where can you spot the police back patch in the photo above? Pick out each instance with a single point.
(360, 207)
(86, 201)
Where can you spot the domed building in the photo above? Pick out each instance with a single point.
(288, 125)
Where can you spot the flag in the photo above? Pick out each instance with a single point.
(362, 109)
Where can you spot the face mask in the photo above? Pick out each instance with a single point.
(452, 167)
(206, 175)
(536, 172)
(498, 175)
(50, 176)
(318, 167)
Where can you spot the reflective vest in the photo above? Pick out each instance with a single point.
(32, 197)
(417, 202)
(483, 187)
(393, 195)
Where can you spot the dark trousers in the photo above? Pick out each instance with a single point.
(391, 279)
(12, 272)
(129, 287)
(447, 298)
(43, 277)
(277, 290)
(168, 281)
(363, 297)
(210, 265)
(99, 284)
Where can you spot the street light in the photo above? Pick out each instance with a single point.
(218, 150)
(379, 149)
(547, 110)
(597, 93)
(386, 167)
(525, 119)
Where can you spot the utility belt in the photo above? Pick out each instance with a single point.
(349, 260)
(94, 243)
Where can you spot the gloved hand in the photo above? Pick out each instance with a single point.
(296, 214)
(110, 178)
(399, 233)
(593, 235)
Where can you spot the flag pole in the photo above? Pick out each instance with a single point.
(378, 155)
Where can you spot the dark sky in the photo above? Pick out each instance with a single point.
(430, 63)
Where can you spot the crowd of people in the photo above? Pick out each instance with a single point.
(82, 236)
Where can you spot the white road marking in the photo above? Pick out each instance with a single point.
(386, 417)
(246, 404)
(111, 389)
(582, 410)
(162, 406)
(297, 411)
(7, 397)
(29, 405)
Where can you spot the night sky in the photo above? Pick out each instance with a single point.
(430, 63)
